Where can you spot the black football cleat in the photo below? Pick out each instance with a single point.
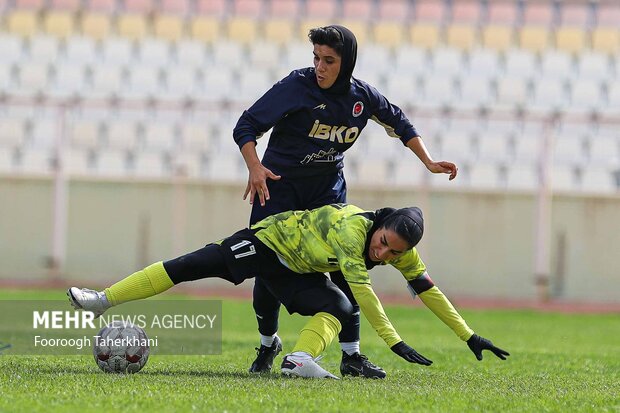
(265, 356)
(358, 365)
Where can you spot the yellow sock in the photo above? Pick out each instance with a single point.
(318, 332)
(141, 284)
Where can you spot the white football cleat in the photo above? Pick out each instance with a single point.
(295, 366)
(88, 300)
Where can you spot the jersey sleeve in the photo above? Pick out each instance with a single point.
(420, 284)
(284, 97)
(391, 117)
(439, 304)
(373, 311)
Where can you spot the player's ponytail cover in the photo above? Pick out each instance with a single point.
(417, 218)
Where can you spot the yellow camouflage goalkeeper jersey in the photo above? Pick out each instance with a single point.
(329, 238)
(334, 238)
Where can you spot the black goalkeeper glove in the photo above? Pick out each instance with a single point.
(477, 344)
(409, 354)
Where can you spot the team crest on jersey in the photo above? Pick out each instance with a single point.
(358, 108)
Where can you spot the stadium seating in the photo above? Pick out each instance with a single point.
(488, 58)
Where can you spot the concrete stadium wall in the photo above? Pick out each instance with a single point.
(475, 244)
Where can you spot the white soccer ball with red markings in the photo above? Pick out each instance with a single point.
(121, 347)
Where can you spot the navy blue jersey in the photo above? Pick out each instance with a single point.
(311, 127)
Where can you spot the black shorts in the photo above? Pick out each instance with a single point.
(247, 257)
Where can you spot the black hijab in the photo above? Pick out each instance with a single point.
(379, 217)
(342, 85)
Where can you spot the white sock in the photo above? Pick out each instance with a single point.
(301, 355)
(267, 341)
(351, 347)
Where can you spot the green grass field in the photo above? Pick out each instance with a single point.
(559, 362)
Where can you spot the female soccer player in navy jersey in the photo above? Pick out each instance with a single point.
(315, 114)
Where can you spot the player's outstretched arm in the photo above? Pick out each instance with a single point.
(417, 146)
(373, 311)
(439, 304)
(476, 344)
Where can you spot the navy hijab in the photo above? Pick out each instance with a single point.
(342, 85)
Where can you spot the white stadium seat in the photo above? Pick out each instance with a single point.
(447, 62)
(117, 51)
(154, 52)
(298, 55)
(523, 176)
(159, 136)
(35, 161)
(12, 49)
(181, 83)
(6, 160)
(483, 63)
(69, 80)
(112, 163)
(121, 134)
(569, 149)
(475, 92)
(144, 82)
(149, 165)
(219, 85)
(549, 95)
(228, 55)
(252, 84)
(225, 169)
(595, 66)
(12, 132)
(190, 53)
(81, 50)
(77, 161)
(604, 149)
(84, 133)
(107, 81)
(598, 179)
(43, 49)
(457, 146)
(409, 60)
(195, 138)
(438, 91)
(32, 80)
(520, 63)
(512, 92)
(373, 172)
(494, 147)
(563, 177)
(45, 132)
(264, 56)
(556, 64)
(401, 89)
(484, 176)
(586, 95)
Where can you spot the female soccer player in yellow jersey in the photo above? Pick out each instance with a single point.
(291, 251)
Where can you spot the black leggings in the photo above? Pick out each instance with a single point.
(267, 308)
(306, 294)
(207, 262)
